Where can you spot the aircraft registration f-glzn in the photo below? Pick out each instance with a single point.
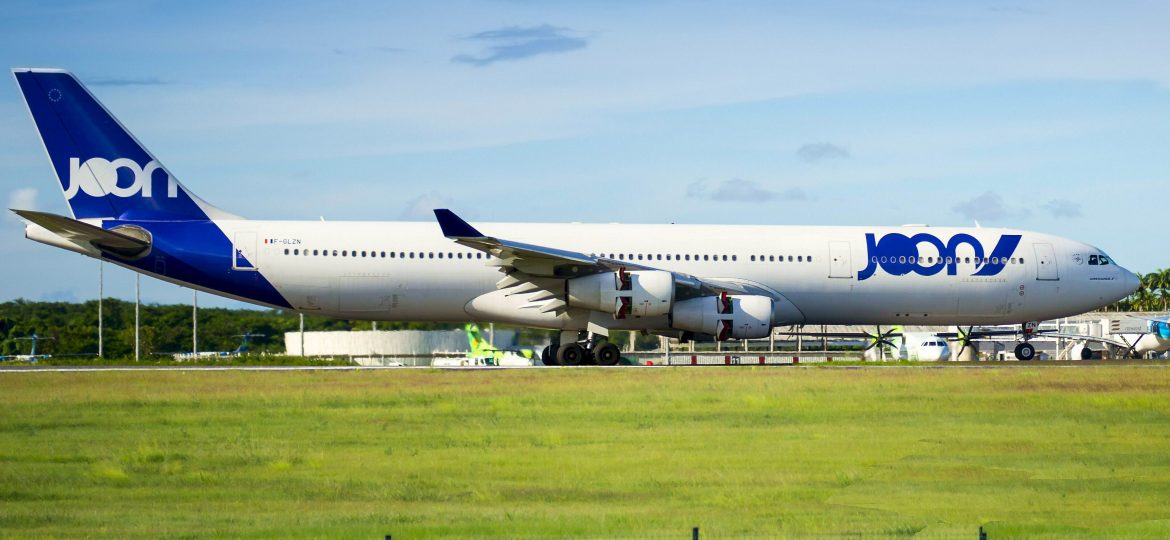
(585, 280)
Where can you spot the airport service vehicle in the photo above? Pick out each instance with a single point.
(692, 282)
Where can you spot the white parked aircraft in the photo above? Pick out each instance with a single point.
(686, 281)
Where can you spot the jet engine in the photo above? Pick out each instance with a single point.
(725, 317)
(642, 293)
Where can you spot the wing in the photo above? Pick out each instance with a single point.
(529, 268)
(79, 232)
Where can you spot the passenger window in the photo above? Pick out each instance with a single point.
(733, 257)
(800, 258)
(411, 254)
(725, 257)
(335, 253)
(809, 258)
(753, 258)
(771, 258)
(286, 251)
(391, 254)
(431, 255)
(706, 258)
(440, 254)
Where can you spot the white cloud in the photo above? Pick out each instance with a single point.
(422, 208)
(21, 199)
(740, 190)
(989, 206)
(814, 152)
(1063, 208)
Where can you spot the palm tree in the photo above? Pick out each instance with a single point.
(1163, 283)
(1141, 299)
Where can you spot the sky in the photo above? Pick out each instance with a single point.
(1043, 116)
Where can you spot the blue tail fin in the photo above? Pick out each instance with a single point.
(102, 168)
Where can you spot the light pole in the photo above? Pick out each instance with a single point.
(101, 293)
(137, 301)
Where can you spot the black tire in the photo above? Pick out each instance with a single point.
(607, 354)
(548, 357)
(1086, 353)
(1025, 352)
(571, 354)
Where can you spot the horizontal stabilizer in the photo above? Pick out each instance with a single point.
(78, 232)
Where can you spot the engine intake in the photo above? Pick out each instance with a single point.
(725, 317)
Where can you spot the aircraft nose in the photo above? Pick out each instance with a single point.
(1130, 281)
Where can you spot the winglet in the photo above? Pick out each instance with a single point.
(453, 226)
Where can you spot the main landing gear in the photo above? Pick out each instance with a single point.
(594, 349)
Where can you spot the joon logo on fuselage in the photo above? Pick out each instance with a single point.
(98, 177)
(897, 254)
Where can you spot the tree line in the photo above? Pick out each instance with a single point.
(163, 329)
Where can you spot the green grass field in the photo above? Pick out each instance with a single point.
(760, 452)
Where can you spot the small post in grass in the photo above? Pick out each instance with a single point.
(695, 534)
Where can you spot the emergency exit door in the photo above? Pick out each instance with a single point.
(840, 264)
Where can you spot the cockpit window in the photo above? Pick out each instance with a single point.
(1099, 260)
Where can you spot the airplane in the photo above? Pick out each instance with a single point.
(32, 356)
(1151, 335)
(242, 349)
(482, 350)
(691, 282)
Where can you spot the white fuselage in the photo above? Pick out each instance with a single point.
(408, 271)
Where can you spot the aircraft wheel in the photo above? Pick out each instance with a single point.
(571, 354)
(607, 354)
(1025, 352)
(1086, 353)
(548, 357)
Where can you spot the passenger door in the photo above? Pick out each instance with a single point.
(1046, 268)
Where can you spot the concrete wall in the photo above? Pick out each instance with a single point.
(385, 342)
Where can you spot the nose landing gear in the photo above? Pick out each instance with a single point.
(1025, 352)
